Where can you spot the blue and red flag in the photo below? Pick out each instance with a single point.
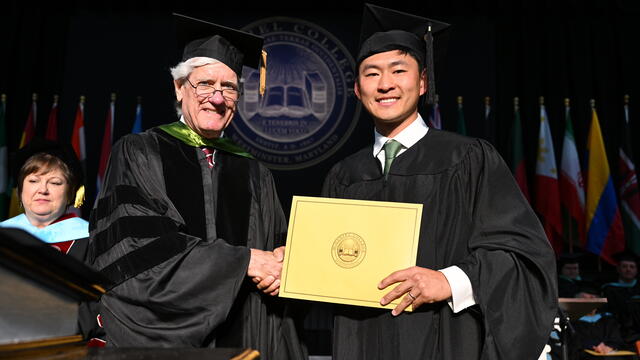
(605, 235)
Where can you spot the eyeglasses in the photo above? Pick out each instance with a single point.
(205, 90)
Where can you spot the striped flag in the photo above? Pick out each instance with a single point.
(30, 126)
(77, 137)
(78, 144)
(52, 124)
(4, 165)
(571, 185)
(434, 116)
(106, 144)
(137, 123)
(27, 134)
(605, 235)
(518, 165)
(462, 125)
(628, 188)
(547, 189)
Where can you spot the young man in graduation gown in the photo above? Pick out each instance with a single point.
(484, 285)
(186, 219)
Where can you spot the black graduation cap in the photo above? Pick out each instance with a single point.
(63, 151)
(232, 47)
(570, 258)
(625, 255)
(386, 29)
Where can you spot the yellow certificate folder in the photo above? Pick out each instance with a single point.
(338, 250)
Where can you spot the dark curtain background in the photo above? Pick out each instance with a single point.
(577, 49)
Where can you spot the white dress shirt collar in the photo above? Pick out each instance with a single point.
(407, 137)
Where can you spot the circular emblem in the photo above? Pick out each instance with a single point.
(348, 250)
(308, 109)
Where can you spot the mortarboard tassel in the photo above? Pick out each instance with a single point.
(429, 66)
(263, 72)
(79, 197)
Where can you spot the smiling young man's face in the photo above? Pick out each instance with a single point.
(389, 86)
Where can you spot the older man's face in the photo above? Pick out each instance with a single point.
(208, 115)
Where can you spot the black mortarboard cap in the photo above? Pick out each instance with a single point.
(626, 255)
(386, 29)
(234, 48)
(570, 258)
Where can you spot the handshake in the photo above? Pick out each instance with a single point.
(265, 268)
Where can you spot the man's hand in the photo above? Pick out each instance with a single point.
(265, 268)
(418, 285)
(602, 348)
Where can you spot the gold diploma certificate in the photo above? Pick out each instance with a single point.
(338, 250)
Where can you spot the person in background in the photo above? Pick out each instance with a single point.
(598, 332)
(570, 281)
(623, 295)
(49, 180)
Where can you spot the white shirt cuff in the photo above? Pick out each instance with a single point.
(461, 290)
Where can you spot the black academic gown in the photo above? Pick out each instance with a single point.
(587, 334)
(474, 217)
(174, 236)
(624, 303)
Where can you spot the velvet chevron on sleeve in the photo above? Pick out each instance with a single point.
(175, 237)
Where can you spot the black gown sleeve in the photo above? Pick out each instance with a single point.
(511, 265)
(172, 289)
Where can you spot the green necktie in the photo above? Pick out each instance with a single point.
(391, 149)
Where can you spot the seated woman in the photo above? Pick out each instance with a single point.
(49, 182)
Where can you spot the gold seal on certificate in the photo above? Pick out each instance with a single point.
(348, 250)
(338, 250)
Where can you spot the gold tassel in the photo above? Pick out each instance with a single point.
(79, 197)
(263, 73)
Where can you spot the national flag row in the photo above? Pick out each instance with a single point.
(574, 212)
(9, 205)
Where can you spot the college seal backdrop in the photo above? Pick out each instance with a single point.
(308, 109)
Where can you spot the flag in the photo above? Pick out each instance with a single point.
(30, 126)
(106, 144)
(78, 143)
(628, 188)
(434, 115)
(27, 134)
(518, 165)
(605, 235)
(77, 137)
(462, 126)
(4, 164)
(571, 185)
(488, 120)
(52, 124)
(547, 189)
(137, 123)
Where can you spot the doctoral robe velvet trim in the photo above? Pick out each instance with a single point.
(234, 195)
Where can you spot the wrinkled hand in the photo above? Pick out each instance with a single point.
(265, 268)
(602, 348)
(418, 285)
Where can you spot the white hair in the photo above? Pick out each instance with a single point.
(182, 71)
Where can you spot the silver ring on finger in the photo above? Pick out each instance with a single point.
(413, 298)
